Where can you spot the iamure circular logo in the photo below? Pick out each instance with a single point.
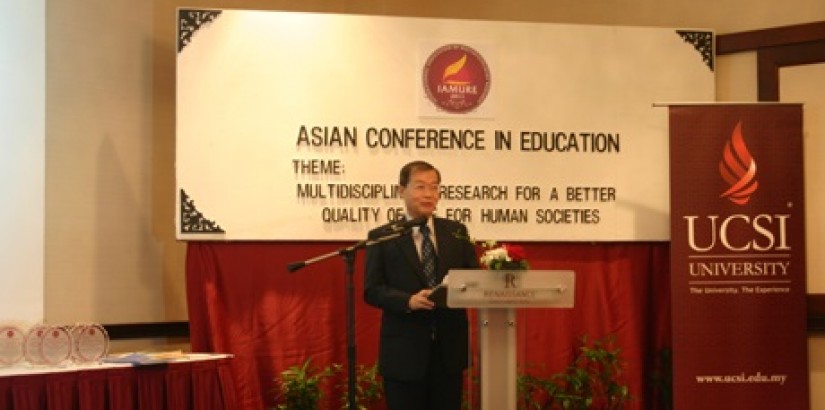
(456, 78)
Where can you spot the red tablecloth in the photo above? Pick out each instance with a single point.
(202, 384)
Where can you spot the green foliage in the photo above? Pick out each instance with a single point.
(529, 391)
(368, 387)
(299, 387)
(508, 265)
(592, 381)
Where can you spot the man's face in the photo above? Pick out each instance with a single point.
(421, 194)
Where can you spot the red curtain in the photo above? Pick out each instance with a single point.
(243, 301)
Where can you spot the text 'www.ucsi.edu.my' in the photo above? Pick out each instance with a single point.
(757, 377)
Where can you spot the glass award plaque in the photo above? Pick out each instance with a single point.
(32, 342)
(91, 343)
(12, 339)
(56, 345)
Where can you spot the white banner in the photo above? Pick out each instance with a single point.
(293, 126)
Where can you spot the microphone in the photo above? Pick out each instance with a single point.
(401, 226)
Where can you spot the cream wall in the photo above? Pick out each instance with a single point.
(106, 259)
(110, 253)
(805, 84)
(22, 164)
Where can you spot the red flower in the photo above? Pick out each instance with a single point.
(516, 252)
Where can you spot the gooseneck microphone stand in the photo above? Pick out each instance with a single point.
(348, 253)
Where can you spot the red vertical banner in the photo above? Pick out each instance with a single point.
(738, 257)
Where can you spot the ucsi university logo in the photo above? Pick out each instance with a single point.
(739, 232)
(738, 169)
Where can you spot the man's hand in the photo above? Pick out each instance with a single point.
(420, 301)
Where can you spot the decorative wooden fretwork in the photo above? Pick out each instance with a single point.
(192, 221)
(190, 21)
(702, 41)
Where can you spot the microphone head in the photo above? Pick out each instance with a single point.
(421, 220)
(292, 267)
(404, 225)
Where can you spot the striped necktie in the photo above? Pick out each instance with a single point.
(428, 256)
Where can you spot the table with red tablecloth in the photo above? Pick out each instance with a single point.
(198, 382)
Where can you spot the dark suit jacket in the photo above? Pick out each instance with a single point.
(393, 274)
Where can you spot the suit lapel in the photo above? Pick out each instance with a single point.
(444, 244)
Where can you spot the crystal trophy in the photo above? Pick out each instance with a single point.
(32, 342)
(91, 343)
(55, 345)
(11, 344)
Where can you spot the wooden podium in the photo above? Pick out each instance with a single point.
(496, 294)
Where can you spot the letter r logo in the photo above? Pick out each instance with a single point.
(509, 280)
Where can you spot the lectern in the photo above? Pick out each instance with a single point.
(496, 294)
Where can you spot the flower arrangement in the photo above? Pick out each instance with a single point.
(496, 256)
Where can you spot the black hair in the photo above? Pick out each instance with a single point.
(415, 166)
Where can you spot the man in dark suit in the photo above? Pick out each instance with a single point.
(423, 349)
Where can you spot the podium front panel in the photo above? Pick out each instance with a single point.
(479, 288)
